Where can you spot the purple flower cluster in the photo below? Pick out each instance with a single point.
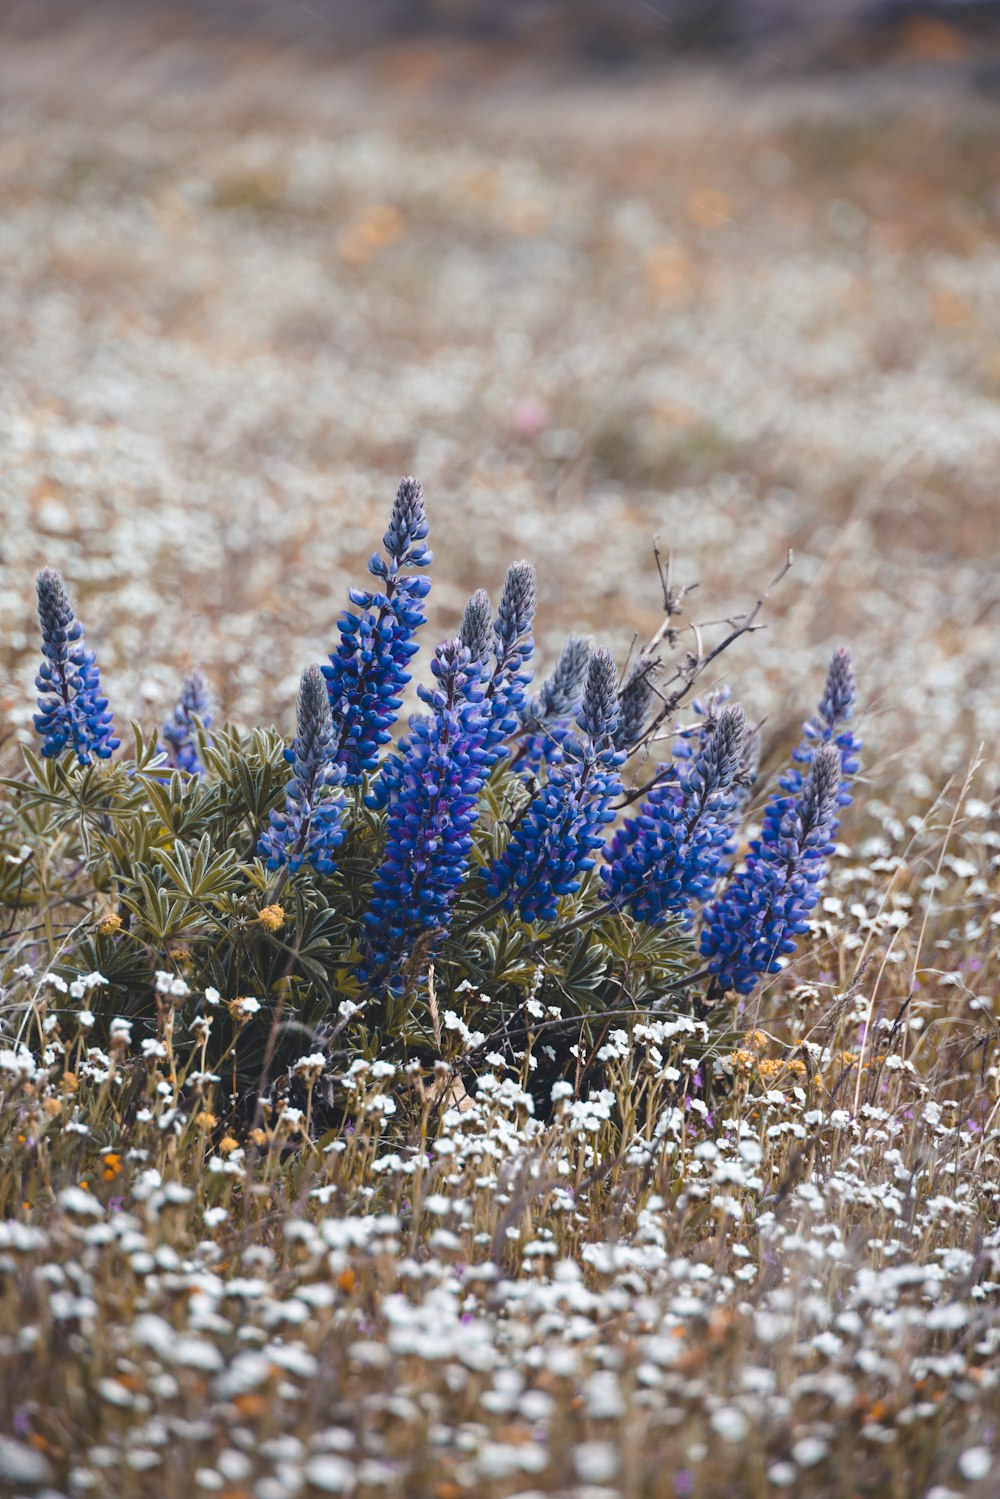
(669, 857)
(367, 674)
(71, 711)
(432, 784)
(310, 829)
(664, 864)
(177, 737)
(766, 904)
(557, 835)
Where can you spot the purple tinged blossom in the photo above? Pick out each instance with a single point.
(516, 612)
(766, 904)
(310, 829)
(177, 737)
(366, 676)
(476, 632)
(432, 784)
(556, 837)
(670, 856)
(559, 695)
(72, 714)
(546, 718)
(829, 726)
(749, 769)
(512, 649)
(636, 696)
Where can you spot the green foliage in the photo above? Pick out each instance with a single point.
(130, 870)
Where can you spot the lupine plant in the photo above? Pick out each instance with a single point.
(72, 714)
(512, 650)
(310, 828)
(766, 905)
(830, 725)
(432, 788)
(557, 835)
(178, 739)
(367, 672)
(362, 881)
(547, 717)
(668, 859)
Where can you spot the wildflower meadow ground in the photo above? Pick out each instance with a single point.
(491, 1004)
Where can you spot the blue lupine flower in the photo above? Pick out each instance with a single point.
(476, 632)
(310, 829)
(636, 695)
(746, 776)
(72, 713)
(177, 737)
(547, 717)
(512, 648)
(366, 676)
(555, 838)
(560, 693)
(671, 855)
(433, 783)
(766, 904)
(694, 739)
(836, 709)
(829, 726)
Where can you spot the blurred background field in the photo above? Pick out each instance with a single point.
(596, 274)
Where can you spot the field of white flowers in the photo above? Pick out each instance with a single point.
(753, 1249)
(793, 1290)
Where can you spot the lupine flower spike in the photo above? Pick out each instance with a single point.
(692, 740)
(829, 726)
(476, 633)
(512, 649)
(310, 829)
(434, 781)
(72, 713)
(560, 693)
(669, 857)
(636, 695)
(555, 839)
(547, 716)
(177, 737)
(367, 674)
(766, 904)
(746, 776)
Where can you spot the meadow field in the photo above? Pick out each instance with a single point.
(661, 334)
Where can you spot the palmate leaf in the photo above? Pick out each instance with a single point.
(582, 970)
(499, 802)
(124, 962)
(186, 805)
(202, 875)
(488, 957)
(160, 915)
(251, 773)
(147, 752)
(132, 844)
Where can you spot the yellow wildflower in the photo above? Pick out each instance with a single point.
(741, 1060)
